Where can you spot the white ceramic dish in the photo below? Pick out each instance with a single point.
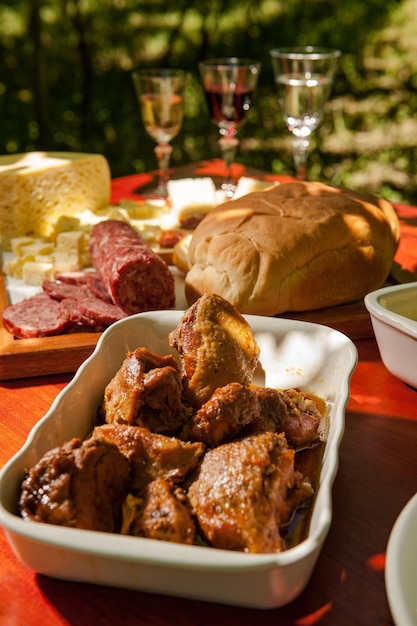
(314, 357)
(393, 313)
(401, 566)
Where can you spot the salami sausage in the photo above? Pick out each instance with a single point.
(37, 316)
(136, 278)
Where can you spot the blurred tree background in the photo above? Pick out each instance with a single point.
(65, 81)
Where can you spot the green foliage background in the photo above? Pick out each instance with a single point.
(65, 81)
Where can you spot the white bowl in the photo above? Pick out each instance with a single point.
(393, 313)
(311, 356)
(401, 566)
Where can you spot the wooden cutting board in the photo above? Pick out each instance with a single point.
(23, 358)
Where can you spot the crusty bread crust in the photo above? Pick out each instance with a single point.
(294, 247)
(180, 254)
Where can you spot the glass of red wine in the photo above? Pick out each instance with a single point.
(229, 84)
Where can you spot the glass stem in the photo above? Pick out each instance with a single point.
(163, 154)
(301, 147)
(228, 149)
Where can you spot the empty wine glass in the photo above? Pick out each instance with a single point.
(304, 77)
(161, 94)
(229, 84)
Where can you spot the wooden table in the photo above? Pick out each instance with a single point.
(377, 476)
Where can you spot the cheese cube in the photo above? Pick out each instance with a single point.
(17, 243)
(36, 248)
(13, 268)
(64, 223)
(70, 242)
(34, 273)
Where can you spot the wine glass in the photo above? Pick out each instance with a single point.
(304, 77)
(161, 94)
(228, 85)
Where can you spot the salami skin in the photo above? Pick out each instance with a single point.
(136, 278)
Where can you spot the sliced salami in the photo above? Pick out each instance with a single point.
(37, 316)
(72, 308)
(75, 278)
(136, 278)
(60, 291)
(102, 312)
(98, 288)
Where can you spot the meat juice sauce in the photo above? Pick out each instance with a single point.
(308, 462)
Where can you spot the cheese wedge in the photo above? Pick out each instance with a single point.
(38, 187)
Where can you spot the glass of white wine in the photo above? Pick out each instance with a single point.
(304, 78)
(161, 94)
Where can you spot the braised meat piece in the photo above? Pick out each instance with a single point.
(80, 484)
(304, 418)
(235, 410)
(158, 514)
(230, 409)
(245, 491)
(145, 391)
(291, 412)
(151, 455)
(216, 347)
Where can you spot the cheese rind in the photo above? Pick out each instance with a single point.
(38, 187)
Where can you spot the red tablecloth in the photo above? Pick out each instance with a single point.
(377, 476)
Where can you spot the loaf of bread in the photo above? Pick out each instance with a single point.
(38, 187)
(297, 246)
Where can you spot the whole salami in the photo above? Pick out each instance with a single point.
(136, 278)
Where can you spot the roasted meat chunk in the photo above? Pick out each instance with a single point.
(245, 491)
(216, 347)
(303, 419)
(158, 514)
(230, 409)
(146, 391)
(151, 455)
(291, 412)
(80, 484)
(235, 410)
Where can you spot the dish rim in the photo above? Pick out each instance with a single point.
(391, 318)
(174, 554)
(395, 592)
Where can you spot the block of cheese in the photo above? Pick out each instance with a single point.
(188, 196)
(36, 188)
(247, 185)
